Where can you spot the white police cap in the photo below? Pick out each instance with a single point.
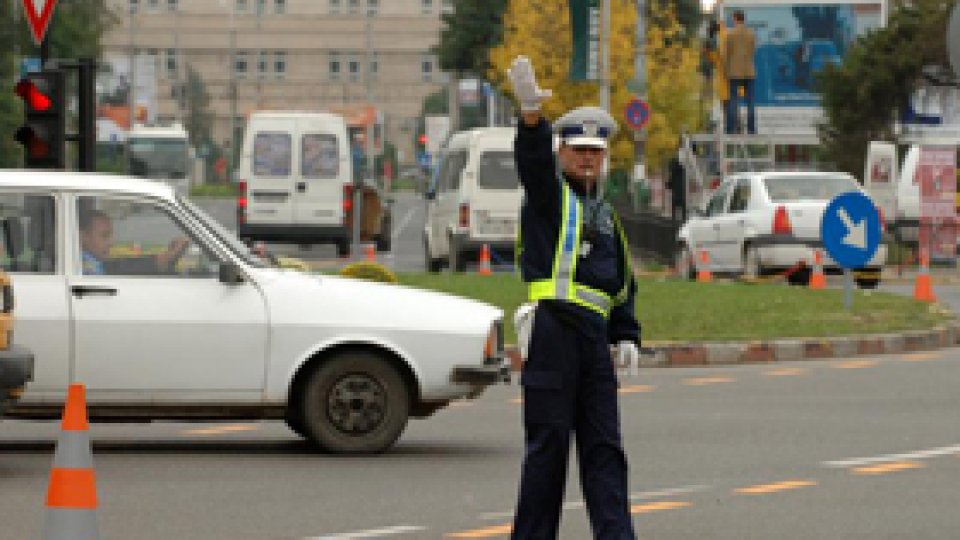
(586, 126)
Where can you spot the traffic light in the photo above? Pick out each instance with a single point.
(43, 132)
(422, 141)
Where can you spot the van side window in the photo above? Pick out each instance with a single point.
(272, 154)
(319, 156)
(453, 170)
(498, 170)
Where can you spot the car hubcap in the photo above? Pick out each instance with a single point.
(357, 404)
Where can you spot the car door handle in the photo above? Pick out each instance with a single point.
(301, 187)
(90, 290)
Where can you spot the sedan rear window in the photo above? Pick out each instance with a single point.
(807, 188)
(498, 170)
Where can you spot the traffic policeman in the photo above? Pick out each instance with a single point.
(574, 258)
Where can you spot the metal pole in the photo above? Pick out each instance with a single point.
(233, 92)
(605, 61)
(359, 179)
(86, 125)
(847, 289)
(181, 92)
(131, 88)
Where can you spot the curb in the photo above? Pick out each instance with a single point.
(784, 350)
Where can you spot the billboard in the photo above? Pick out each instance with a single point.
(797, 40)
(937, 176)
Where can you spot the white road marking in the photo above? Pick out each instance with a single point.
(403, 223)
(636, 496)
(372, 533)
(920, 454)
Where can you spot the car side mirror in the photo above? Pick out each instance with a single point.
(230, 274)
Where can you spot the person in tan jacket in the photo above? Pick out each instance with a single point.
(740, 44)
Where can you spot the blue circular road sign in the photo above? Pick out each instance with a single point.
(638, 113)
(850, 229)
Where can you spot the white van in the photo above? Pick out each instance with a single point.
(296, 181)
(473, 200)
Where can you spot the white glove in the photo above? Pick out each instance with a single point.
(628, 356)
(525, 87)
(523, 322)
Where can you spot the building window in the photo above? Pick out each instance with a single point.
(280, 7)
(373, 6)
(242, 5)
(261, 7)
(374, 65)
(280, 63)
(354, 6)
(134, 4)
(447, 7)
(426, 6)
(171, 62)
(153, 5)
(240, 63)
(426, 67)
(154, 56)
(262, 63)
(334, 64)
(335, 6)
(354, 67)
(173, 5)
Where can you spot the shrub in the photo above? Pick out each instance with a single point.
(369, 271)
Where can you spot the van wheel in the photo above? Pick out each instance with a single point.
(431, 264)
(343, 248)
(355, 403)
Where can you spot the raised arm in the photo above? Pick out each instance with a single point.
(533, 147)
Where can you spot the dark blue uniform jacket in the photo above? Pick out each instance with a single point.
(602, 267)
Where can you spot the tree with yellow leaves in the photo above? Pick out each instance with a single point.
(540, 30)
(673, 83)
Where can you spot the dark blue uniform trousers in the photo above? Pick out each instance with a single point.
(570, 387)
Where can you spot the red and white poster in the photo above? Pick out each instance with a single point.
(937, 177)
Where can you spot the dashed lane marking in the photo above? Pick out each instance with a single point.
(885, 468)
(856, 364)
(921, 357)
(372, 533)
(786, 372)
(764, 489)
(704, 381)
(888, 458)
(636, 389)
(486, 532)
(647, 508)
(634, 497)
(221, 430)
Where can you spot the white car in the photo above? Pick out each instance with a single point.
(218, 333)
(765, 222)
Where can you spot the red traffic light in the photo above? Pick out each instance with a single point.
(35, 99)
(36, 145)
(422, 139)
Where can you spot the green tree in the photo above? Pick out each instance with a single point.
(468, 34)
(863, 96)
(199, 118)
(75, 31)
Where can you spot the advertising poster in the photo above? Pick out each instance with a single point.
(880, 176)
(937, 177)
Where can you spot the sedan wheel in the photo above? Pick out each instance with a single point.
(355, 403)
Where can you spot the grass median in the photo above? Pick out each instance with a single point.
(722, 311)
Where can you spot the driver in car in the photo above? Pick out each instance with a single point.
(96, 238)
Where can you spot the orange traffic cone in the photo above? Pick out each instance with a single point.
(817, 279)
(72, 492)
(923, 288)
(703, 269)
(485, 261)
(371, 254)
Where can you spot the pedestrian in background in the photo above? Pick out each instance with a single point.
(574, 258)
(739, 47)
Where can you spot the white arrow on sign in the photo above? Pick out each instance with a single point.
(39, 13)
(857, 234)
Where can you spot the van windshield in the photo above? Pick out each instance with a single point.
(807, 188)
(498, 170)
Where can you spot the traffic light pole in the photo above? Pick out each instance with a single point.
(86, 124)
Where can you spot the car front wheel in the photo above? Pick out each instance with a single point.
(355, 403)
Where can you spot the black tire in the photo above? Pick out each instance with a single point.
(343, 248)
(868, 283)
(294, 421)
(355, 403)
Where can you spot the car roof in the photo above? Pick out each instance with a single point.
(80, 181)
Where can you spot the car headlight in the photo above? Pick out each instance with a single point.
(494, 344)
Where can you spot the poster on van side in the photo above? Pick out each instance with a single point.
(937, 177)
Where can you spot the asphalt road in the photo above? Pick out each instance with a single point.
(860, 448)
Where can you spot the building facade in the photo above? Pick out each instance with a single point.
(288, 55)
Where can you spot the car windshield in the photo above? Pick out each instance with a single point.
(158, 158)
(225, 237)
(498, 170)
(807, 188)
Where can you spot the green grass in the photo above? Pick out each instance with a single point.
(686, 311)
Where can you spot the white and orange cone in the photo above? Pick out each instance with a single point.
(703, 269)
(72, 492)
(923, 287)
(371, 253)
(817, 279)
(485, 261)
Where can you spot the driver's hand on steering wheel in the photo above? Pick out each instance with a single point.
(167, 259)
